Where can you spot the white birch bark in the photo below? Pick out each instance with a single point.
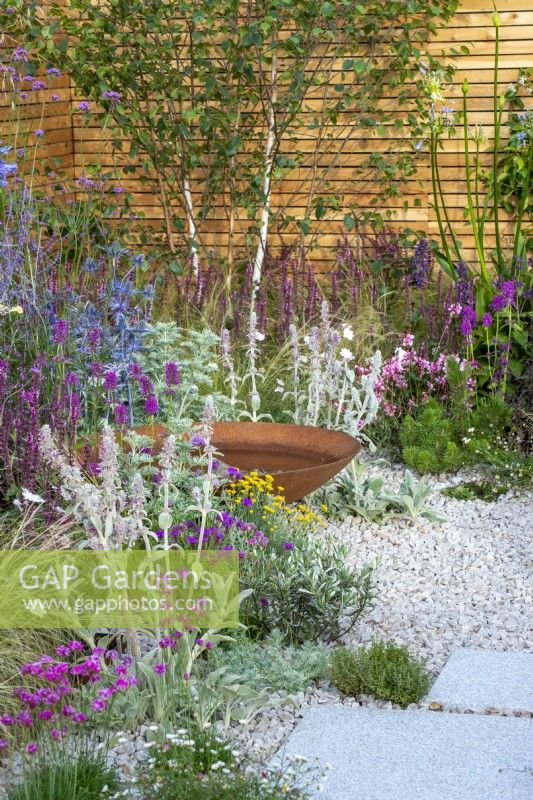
(189, 210)
(267, 178)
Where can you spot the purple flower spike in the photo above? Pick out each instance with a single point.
(151, 406)
(60, 331)
(110, 380)
(499, 302)
(172, 374)
(468, 320)
(420, 264)
(121, 414)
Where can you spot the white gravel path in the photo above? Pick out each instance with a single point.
(467, 582)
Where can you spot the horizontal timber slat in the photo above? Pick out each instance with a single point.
(78, 141)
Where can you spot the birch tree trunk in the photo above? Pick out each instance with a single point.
(189, 211)
(267, 177)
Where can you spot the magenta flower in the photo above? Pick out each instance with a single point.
(31, 747)
(4, 744)
(98, 705)
(135, 371)
(151, 406)
(486, 320)
(110, 380)
(60, 331)
(468, 320)
(172, 374)
(72, 379)
(264, 602)
(246, 502)
(97, 369)
(146, 385)
(499, 302)
(25, 719)
(160, 668)
(288, 546)
(121, 414)
(94, 338)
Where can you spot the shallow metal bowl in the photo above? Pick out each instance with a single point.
(300, 457)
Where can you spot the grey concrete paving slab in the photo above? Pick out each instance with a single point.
(478, 680)
(377, 754)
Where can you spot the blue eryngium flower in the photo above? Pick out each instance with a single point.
(6, 170)
(90, 265)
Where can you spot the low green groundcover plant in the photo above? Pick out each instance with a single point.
(82, 778)
(441, 440)
(274, 665)
(198, 765)
(385, 670)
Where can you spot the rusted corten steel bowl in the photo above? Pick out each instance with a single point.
(302, 458)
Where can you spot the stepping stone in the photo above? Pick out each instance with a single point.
(479, 680)
(376, 754)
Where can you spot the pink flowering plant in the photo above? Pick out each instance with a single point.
(65, 703)
(409, 378)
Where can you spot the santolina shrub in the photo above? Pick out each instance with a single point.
(384, 669)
